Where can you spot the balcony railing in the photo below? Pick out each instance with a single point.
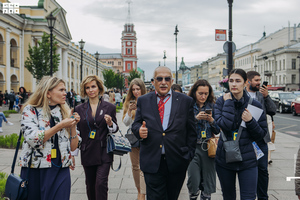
(268, 73)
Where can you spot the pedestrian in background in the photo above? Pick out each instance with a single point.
(112, 97)
(23, 96)
(176, 88)
(165, 122)
(260, 93)
(70, 97)
(106, 96)
(118, 98)
(6, 97)
(201, 171)
(136, 89)
(12, 99)
(49, 137)
(3, 118)
(1, 98)
(98, 119)
(230, 111)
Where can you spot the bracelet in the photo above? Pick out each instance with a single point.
(73, 137)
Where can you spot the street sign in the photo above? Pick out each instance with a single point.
(220, 35)
(225, 47)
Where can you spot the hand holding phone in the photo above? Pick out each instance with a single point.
(265, 83)
(208, 111)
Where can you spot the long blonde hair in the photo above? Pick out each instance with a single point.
(39, 97)
(130, 95)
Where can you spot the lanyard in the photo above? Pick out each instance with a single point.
(164, 103)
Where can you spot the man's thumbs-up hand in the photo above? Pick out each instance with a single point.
(143, 131)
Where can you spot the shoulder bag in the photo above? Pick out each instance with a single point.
(212, 144)
(117, 145)
(232, 148)
(16, 187)
(134, 142)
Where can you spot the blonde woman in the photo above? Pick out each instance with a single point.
(136, 89)
(49, 137)
(98, 118)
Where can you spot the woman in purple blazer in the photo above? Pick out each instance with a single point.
(98, 118)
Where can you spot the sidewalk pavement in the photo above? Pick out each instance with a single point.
(121, 184)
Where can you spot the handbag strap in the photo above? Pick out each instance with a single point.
(240, 128)
(16, 153)
(119, 167)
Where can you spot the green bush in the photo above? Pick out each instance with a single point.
(3, 177)
(10, 141)
(10, 111)
(6, 115)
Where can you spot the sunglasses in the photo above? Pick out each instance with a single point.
(160, 79)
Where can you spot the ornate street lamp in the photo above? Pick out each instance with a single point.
(51, 22)
(97, 55)
(176, 33)
(81, 45)
(164, 57)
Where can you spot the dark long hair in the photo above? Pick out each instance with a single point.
(240, 72)
(202, 82)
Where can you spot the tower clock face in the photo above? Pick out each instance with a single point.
(128, 43)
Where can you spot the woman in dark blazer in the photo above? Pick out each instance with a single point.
(230, 111)
(98, 118)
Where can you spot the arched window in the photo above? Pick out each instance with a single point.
(68, 69)
(72, 70)
(13, 53)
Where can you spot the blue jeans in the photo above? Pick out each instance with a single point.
(247, 182)
(263, 174)
(2, 117)
(118, 103)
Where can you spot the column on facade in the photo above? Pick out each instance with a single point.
(75, 80)
(8, 30)
(65, 65)
(21, 60)
(59, 71)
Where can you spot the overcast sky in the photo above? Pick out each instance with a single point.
(100, 24)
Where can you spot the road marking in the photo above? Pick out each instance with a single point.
(285, 127)
(290, 178)
(298, 120)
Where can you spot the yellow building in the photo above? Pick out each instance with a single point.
(17, 31)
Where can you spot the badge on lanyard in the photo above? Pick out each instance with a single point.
(203, 134)
(92, 134)
(234, 135)
(53, 153)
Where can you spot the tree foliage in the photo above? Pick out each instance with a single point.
(109, 78)
(132, 75)
(120, 83)
(38, 62)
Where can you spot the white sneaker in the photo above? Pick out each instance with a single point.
(9, 123)
(1, 131)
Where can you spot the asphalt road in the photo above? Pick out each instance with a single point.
(287, 124)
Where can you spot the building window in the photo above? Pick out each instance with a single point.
(13, 53)
(128, 51)
(293, 78)
(68, 69)
(128, 66)
(283, 64)
(112, 62)
(223, 62)
(119, 63)
(279, 79)
(293, 63)
(72, 70)
(1, 50)
(279, 65)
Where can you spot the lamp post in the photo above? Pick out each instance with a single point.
(51, 22)
(97, 57)
(230, 56)
(164, 57)
(176, 33)
(299, 71)
(81, 45)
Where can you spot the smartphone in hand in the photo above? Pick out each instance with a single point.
(208, 111)
(265, 83)
(132, 101)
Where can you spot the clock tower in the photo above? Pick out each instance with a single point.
(128, 41)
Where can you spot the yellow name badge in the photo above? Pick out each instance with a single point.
(234, 135)
(53, 153)
(92, 134)
(203, 134)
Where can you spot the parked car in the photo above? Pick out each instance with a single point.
(297, 93)
(283, 100)
(295, 106)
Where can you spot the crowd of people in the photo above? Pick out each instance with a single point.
(172, 130)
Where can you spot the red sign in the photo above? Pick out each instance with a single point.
(220, 35)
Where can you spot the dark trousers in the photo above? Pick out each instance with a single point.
(96, 180)
(11, 105)
(247, 182)
(48, 183)
(164, 185)
(263, 174)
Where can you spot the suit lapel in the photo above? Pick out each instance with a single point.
(174, 107)
(153, 102)
(102, 110)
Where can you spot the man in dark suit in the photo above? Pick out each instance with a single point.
(70, 97)
(166, 126)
